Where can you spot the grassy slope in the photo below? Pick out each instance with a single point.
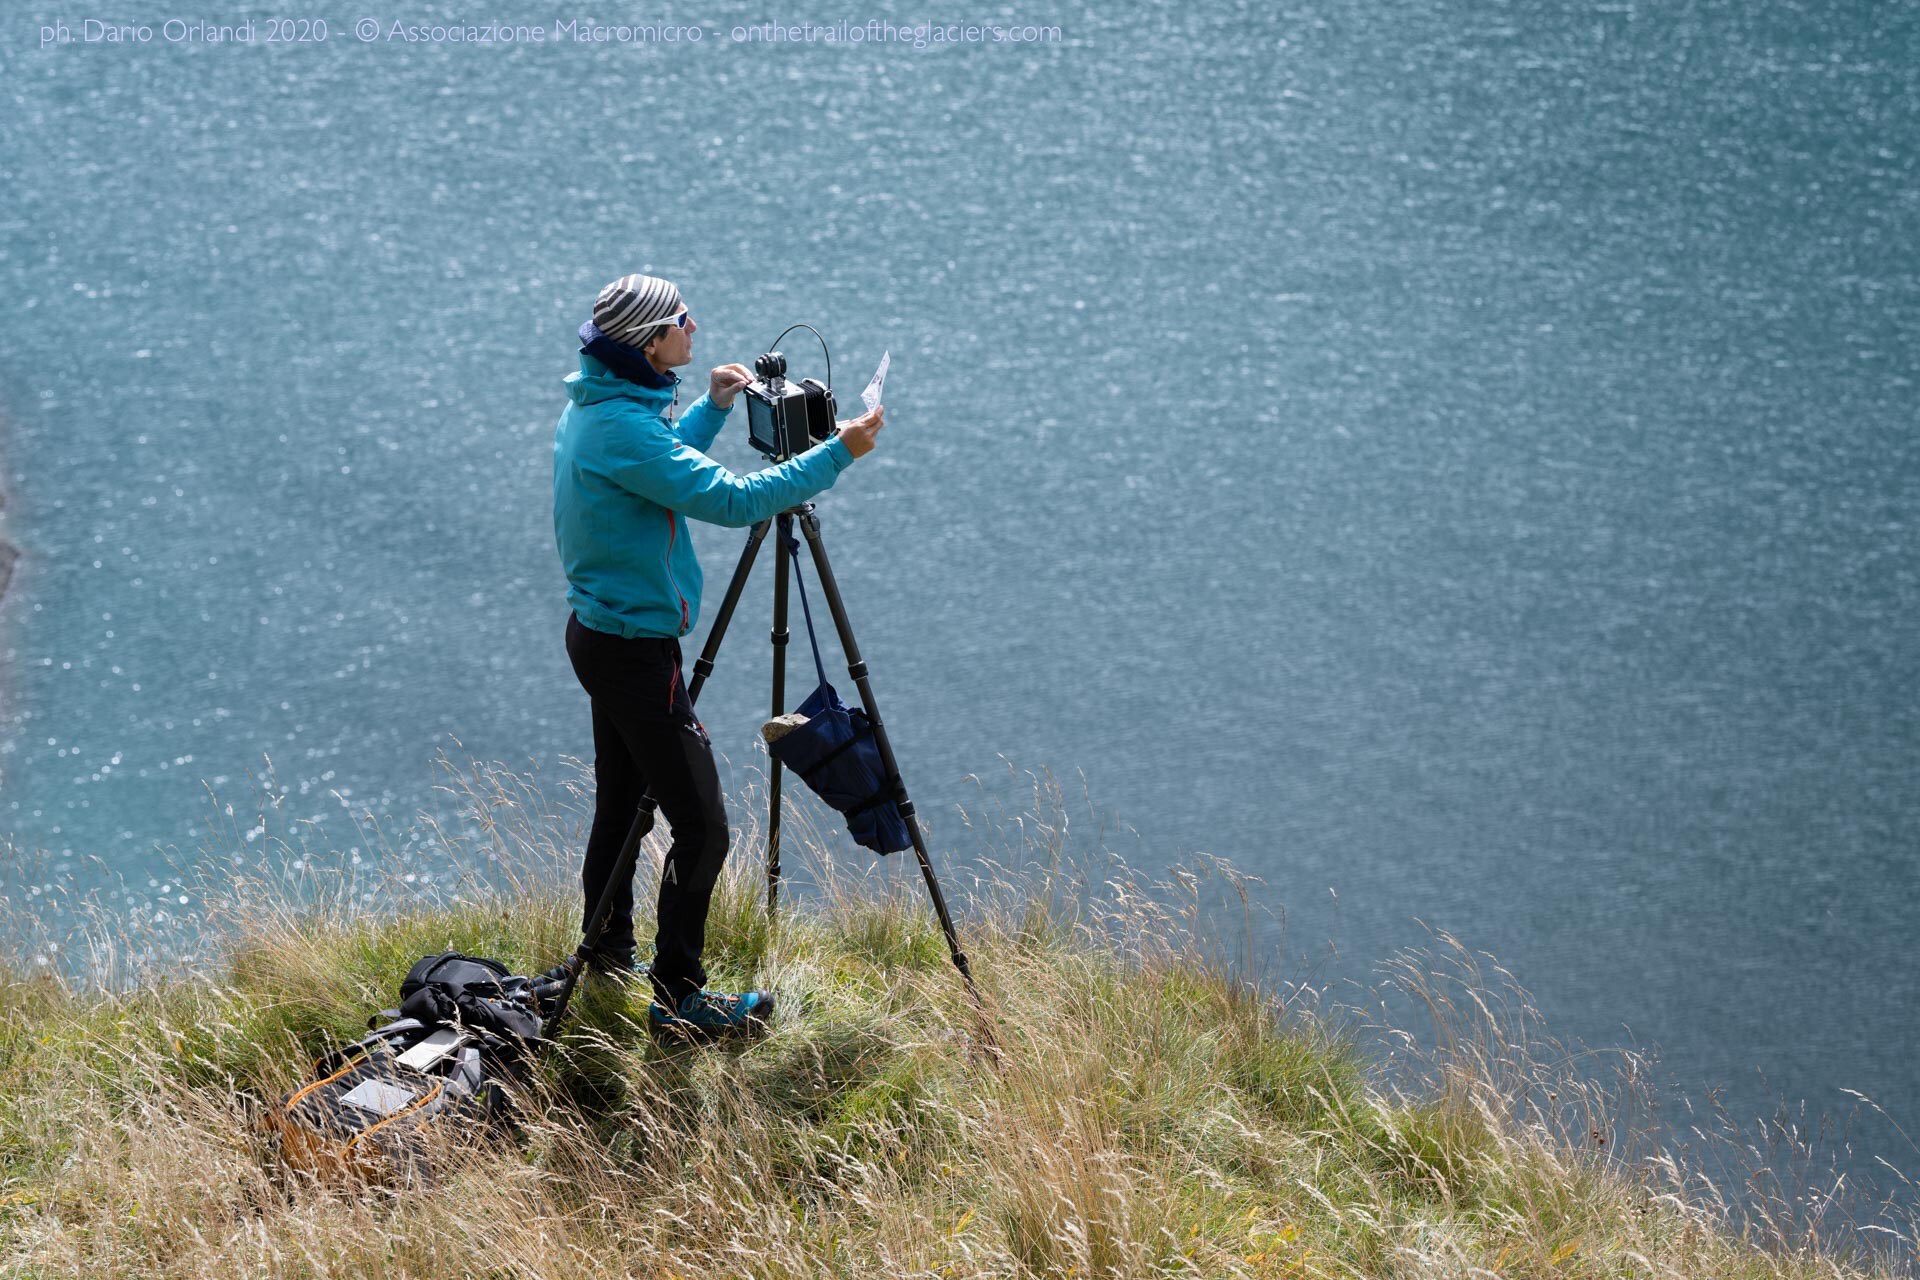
(1149, 1115)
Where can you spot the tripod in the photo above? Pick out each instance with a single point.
(856, 667)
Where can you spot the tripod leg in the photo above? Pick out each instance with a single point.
(643, 817)
(857, 668)
(703, 666)
(780, 575)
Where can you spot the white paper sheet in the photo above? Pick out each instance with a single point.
(377, 1096)
(432, 1049)
(871, 396)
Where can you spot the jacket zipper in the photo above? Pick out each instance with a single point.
(673, 531)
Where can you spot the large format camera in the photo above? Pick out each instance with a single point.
(786, 417)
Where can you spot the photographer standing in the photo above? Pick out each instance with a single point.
(626, 475)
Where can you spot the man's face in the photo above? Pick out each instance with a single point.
(674, 347)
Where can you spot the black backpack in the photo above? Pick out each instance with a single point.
(454, 1049)
(481, 995)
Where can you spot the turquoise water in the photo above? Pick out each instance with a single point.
(1457, 462)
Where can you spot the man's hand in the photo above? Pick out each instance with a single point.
(858, 433)
(726, 383)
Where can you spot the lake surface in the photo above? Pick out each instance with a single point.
(1457, 462)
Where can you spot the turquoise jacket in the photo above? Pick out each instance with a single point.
(625, 479)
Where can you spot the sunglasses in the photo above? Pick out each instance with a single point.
(678, 322)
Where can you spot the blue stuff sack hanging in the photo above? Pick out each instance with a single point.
(836, 754)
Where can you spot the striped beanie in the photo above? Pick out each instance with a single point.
(631, 308)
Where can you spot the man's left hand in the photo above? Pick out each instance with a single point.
(726, 383)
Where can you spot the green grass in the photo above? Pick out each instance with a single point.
(1125, 1104)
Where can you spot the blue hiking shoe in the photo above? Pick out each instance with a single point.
(710, 1015)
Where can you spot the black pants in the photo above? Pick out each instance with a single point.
(646, 738)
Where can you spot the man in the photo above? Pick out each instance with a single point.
(626, 475)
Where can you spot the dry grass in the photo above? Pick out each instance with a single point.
(1151, 1111)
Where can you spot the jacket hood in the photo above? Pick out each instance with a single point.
(595, 383)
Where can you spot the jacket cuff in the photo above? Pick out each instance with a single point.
(837, 449)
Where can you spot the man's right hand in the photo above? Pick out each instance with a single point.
(858, 433)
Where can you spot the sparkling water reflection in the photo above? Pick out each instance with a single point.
(1461, 457)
